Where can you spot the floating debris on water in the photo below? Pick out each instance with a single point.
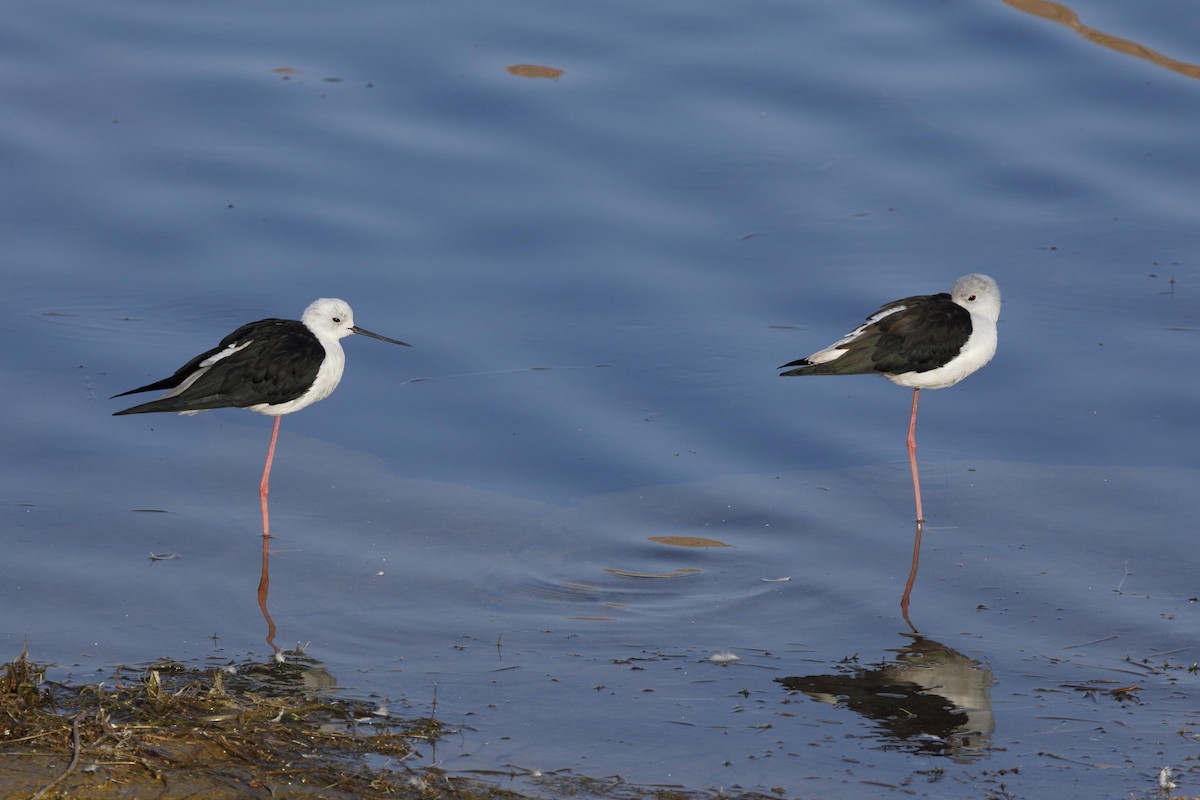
(533, 71)
(687, 541)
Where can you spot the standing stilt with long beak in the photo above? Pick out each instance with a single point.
(273, 366)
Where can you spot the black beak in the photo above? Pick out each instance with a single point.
(362, 332)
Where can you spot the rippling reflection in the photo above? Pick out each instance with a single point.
(264, 587)
(929, 698)
(912, 575)
(1057, 12)
(625, 573)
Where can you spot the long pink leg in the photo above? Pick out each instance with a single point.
(912, 462)
(912, 455)
(265, 486)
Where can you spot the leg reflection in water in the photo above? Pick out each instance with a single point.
(912, 575)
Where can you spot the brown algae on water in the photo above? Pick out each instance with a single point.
(173, 731)
(181, 731)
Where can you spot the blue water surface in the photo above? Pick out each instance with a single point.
(599, 272)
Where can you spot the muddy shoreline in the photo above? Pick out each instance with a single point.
(169, 730)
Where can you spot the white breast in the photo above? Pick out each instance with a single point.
(977, 351)
(328, 377)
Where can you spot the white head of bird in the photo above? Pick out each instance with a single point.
(979, 294)
(329, 317)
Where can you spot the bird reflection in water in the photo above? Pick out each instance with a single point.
(929, 698)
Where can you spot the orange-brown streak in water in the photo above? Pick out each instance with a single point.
(912, 576)
(534, 71)
(1057, 12)
(264, 584)
(687, 541)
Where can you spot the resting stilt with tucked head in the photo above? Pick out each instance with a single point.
(926, 342)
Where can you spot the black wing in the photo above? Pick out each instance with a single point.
(922, 337)
(928, 332)
(278, 363)
(181, 374)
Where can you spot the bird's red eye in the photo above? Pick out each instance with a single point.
(971, 299)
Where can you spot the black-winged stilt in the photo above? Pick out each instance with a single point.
(926, 342)
(273, 366)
